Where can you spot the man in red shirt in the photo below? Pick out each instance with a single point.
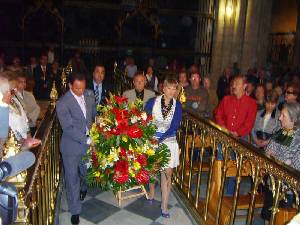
(237, 112)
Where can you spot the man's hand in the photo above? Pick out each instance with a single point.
(32, 142)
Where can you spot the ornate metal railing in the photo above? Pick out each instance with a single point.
(38, 186)
(200, 179)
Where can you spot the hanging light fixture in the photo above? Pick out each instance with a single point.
(229, 9)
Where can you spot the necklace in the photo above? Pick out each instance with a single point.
(284, 136)
(165, 109)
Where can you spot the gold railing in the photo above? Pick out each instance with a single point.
(38, 190)
(200, 179)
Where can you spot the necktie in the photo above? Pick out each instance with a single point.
(44, 72)
(97, 97)
(83, 108)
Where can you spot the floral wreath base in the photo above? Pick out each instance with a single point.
(120, 197)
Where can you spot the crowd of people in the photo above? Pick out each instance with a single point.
(261, 107)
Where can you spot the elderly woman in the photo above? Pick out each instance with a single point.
(266, 122)
(285, 147)
(285, 144)
(167, 113)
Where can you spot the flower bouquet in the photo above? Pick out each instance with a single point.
(124, 152)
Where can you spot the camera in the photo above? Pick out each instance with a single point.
(8, 193)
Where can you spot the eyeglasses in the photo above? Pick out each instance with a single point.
(289, 93)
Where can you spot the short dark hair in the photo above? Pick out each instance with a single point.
(99, 65)
(76, 76)
(272, 97)
(296, 89)
(20, 75)
(138, 73)
(43, 54)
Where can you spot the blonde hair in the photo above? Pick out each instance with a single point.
(170, 81)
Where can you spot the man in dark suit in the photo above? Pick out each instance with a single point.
(42, 79)
(100, 87)
(76, 111)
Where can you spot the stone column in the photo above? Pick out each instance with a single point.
(241, 37)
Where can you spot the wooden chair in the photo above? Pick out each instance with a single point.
(284, 215)
(226, 208)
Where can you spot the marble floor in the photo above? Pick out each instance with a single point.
(101, 208)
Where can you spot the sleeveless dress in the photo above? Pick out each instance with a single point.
(163, 124)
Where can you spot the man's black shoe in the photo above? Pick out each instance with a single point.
(75, 219)
(82, 195)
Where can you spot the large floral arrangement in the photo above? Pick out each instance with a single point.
(124, 151)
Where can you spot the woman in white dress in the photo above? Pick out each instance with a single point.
(167, 113)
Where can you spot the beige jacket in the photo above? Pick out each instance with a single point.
(130, 94)
(31, 107)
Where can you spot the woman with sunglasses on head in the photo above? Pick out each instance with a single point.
(291, 94)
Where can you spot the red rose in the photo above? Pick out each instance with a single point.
(121, 178)
(115, 131)
(119, 100)
(115, 111)
(121, 172)
(134, 132)
(122, 152)
(142, 159)
(122, 125)
(122, 114)
(121, 166)
(142, 177)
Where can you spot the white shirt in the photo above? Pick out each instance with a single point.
(81, 102)
(131, 70)
(266, 120)
(51, 57)
(18, 121)
(149, 77)
(20, 94)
